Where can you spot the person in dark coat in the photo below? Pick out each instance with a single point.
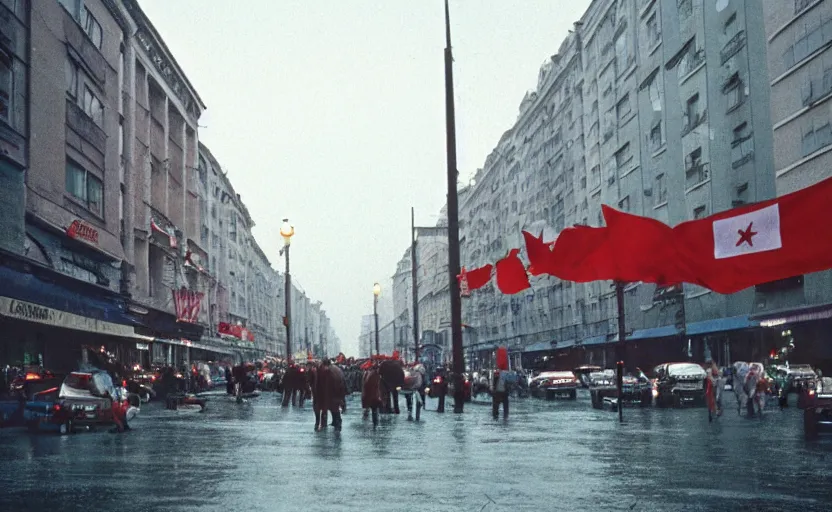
(371, 393)
(329, 390)
(229, 381)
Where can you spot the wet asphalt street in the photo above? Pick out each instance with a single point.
(547, 456)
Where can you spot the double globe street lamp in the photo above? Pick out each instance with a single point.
(287, 231)
(376, 293)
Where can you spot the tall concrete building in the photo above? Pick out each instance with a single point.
(656, 107)
(125, 234)
(799, 35)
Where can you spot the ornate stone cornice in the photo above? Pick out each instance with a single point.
(151, 42)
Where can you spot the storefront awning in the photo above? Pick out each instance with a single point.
(198, 345)
(46, 300)
(794, 315)
(654, 332)
(595, 340)
(731, 323)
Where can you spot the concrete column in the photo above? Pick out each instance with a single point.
(130, 177)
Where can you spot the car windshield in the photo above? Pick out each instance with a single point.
(685, 369)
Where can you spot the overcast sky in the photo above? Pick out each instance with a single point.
(332, 113)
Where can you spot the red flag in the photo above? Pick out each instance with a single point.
(502, 358)
(642, 249)
(539, 254)
(581, 255)
(511, 274)
(476, 278)
(775, 239)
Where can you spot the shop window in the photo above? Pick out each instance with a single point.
(6, 87)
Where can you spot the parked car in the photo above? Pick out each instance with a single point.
(551, 385)
(85, 399)
(603, 389)
(583, 373)
(680, 384)
(817, 413)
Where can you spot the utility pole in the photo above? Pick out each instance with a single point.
(453, 221)
(620, 348)
(414, 288)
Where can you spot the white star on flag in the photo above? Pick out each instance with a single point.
(749, 233)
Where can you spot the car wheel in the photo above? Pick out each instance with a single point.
(573, 394)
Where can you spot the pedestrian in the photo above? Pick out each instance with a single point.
(499, 395)
(371, 400)
(714, 391)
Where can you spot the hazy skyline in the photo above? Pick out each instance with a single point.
(332, 114)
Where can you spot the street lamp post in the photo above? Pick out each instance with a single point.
(376, 293)
(287, 231)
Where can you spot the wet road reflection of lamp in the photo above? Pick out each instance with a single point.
(287, 231)
(376, 293)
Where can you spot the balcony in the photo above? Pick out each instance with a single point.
(733, 46)
(690, 63)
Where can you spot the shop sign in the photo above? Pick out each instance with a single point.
(80, 230)
(31, 312)
(142, 346)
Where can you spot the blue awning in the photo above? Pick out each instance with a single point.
(49, 293)
(655, 332)
(538, 347)
(732, 323)
(595, 340)
(565, 344)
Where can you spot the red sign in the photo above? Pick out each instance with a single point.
(80, 230)
(236, 331)
(187, 303)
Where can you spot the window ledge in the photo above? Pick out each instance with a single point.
(697, 294)
(88, 214)
(692, 72)
(655, 47)
(792, 20)
(660, 205)
(659, 151)
(803, 160)
(646, 8)
(803, 62)
(698, 185)
(628, 171)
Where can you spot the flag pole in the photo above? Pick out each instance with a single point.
(620, 348)
(413, 285)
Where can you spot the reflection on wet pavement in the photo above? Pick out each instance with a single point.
(547, 456)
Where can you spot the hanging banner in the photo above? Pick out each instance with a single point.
(187, 304)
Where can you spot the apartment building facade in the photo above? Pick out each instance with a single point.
(656, 107)
(799, 38)
(118, 230)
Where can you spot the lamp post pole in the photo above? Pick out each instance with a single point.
(376, 292)
(286, 231)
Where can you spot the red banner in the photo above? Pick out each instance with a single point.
(187, 303)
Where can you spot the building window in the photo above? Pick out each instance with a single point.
(595, 177)
(622, 52)
(624, 204)
(87, 21)
(695, 170)
(660, 194)
(91, 27)
(232, 226)
(685, 9)
(811, 41)
(93, 107)
(623, 108)
(85, 187)
(654, 35)
(816, 137)
(742, 146)
(730, 26)
(700, 212)
(6, 87)
(733, 92)
(623, 158)
(692, 115)
(656, 136)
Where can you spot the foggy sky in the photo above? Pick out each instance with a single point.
(332, 113)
